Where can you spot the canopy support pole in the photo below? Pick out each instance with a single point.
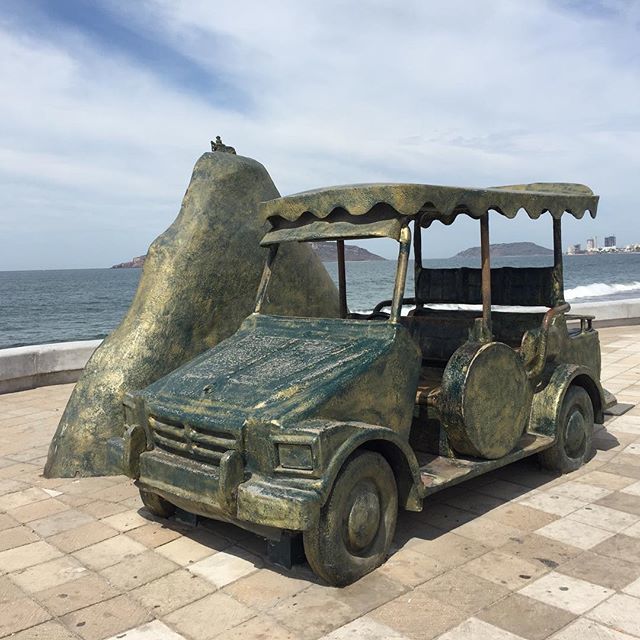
(342, 279)
(558, 275)
(417, 259)
(485, 253)
(266, 276)
(401, 274)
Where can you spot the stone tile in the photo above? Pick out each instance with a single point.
(364, 629)
(622, 612)
(154, 534)
(589, 630)
(7, 522)
(633, 589)
(69, 519)
(261, 627)
(540, 550)
(172, 591)
(521, 516)
(553, 503)
(633, 449)
(370, 592)
(504, 489)
(620, 546)
(224, 568)
(106, 618)
(16, 537)
(633, 489)
(450, 550)
(47, 631)
(565, 592)
(102, 509)
(418, 616)
(8, 590)
(83, 536)
(185, 551)
(138, 570)
(612, 573)
(27, 555)
(508, 571)
(126, 520)
(468, 591)
(606, 480)
(475, 629)
(77, 594)
(21, 614)
(155, 630)
(526, 617)
(20, 498)
(489, 532)
(36, 510)
(581, 491)
(574, 532)
(48, 574)
(603, 517)
(469, 500)
(209, 616)
(622, 502)
(263, 590)
(411, 568)
(109, 552)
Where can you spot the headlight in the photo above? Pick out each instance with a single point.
(295, 456)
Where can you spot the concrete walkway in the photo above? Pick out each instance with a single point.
(515, 554)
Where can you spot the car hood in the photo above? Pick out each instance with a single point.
(272, 367)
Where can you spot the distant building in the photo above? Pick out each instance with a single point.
(573, 249)
(591, 244)
(609, 241)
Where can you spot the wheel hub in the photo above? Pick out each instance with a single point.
(363, 518)
(575, 434)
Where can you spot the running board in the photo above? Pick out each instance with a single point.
(441, 472)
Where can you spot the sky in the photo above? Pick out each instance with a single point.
(107, 104)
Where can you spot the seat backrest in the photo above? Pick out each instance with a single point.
(513, 286)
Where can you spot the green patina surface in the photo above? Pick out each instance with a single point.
(328, 425)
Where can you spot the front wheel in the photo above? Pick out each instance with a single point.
(156, 505)
(575, 433)
(358, 522)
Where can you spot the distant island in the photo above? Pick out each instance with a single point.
(326, 252)
(508, 250)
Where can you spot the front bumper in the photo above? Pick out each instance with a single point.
(223, 493)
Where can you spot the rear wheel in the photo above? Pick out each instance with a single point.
(358, 522)
(156, 504)
(575, 433)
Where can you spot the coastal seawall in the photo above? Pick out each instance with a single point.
(62, 362)
(43, 364)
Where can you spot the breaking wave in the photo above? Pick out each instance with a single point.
(601, 290)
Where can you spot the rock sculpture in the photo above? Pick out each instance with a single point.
(198, 284)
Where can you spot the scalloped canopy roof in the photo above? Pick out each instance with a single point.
(398, 203)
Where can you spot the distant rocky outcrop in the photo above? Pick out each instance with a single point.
(134, 263)
(326, 251)
(508, 250)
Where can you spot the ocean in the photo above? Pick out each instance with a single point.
(83, 304)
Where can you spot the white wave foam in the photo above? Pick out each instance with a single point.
(600, 290)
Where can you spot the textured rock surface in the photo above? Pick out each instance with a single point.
(198, 284)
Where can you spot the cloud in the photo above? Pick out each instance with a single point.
(99, 130)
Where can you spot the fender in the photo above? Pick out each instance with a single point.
(397, 452)
(546, 404)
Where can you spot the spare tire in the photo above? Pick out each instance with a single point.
(485, 400)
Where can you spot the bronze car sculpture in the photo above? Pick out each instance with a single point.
(328, 426)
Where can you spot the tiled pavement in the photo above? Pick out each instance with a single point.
(515, 554)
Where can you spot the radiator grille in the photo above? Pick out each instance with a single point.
(190, 441)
